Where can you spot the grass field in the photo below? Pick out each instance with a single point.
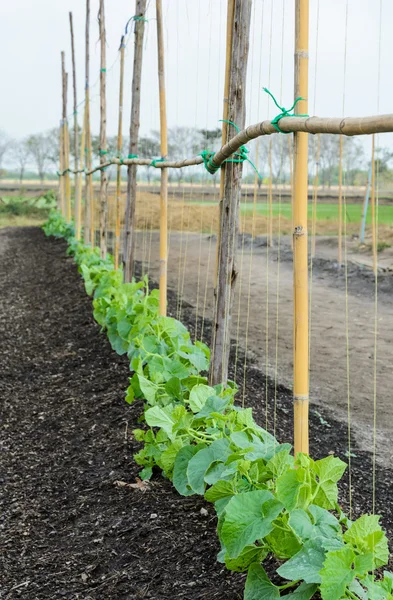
(325, 212)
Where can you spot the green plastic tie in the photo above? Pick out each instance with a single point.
(238, 157)
(102, 152)
(132, 156)
(103, 70)
(284, 112)
(155, 161)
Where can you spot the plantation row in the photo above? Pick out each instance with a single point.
(268, 503)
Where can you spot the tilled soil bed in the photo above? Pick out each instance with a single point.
(67, 530)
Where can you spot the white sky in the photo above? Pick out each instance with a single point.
(32, 34)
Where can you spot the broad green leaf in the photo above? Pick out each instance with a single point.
(160, 417)
(259, 586)
(241, 440)
(365, 535)
(337, 573)
(293, 490)
(214, 404)
(330, 468)
(221, 489)
(180, 479)
(148, 389)
(283, 542)
(282, 461)
(305, 591)
(306, 564)
(199, 464)
(173, 388)
(248, 517)
(250, 554)
(323, 524)
(199, 395)
(169, 455)
(214, 473)
(124, 328)
(146, 473)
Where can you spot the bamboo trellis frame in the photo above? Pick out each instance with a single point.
(347, 126)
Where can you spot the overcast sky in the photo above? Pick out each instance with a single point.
(32, 34)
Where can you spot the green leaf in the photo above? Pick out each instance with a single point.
(199, 464)
(146, 473)
(180, 479)
(198, 396)
(169, 455)
(306, 564)
(366, 536)
(305, 591)
(248, 517)
(214, 404)
(259, 586)
(293, 490)
(221, 489)
(323, 524)
(124, 328)
(148, 389)
(283, 542)
(281, 462)
(337, 573)
(249, 555)
(173, 388)
(160, 417)
(330, 468)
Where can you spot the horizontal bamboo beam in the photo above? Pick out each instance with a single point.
(348, 126)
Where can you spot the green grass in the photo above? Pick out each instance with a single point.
(324, 211)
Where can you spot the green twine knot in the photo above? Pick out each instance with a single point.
(103, 70)
(102, 152)
(155, 161)
(135, 18)
(284, 112)
(132, 156)
(238, 157)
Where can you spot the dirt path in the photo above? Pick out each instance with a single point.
(263, 278)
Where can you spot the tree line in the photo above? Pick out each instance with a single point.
(271, 158)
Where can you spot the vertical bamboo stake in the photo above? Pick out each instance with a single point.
(119, 149)
(103, 141)
(89, 199)
(290, 158)
(315, 198)
(80, 179)
(340, 203)
(270, 194)
(225, 126)
(300, 245)
(62, 136)
(76, 160)
(129, 225)
(164, 172)
(373, 216)
(67, 164)
(61, 203)
(229, 222)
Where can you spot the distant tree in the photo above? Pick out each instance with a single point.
(39, 151)
(383, 158)
(149, 147)
(53, 146)
(353, 159)
(111, 146)
(184, 142)
(5, 145)
(20, 153)
(329, 157)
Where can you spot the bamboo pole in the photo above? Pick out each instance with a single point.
(348, 126)
(103, 140)
(76, 159)
(373, 215)
(119, 149)
(290, 159)
(300, 244)
(315, 198)
(229, 224)
(129, 224)
(78, 218)
(67, 164)
(340, 203)
(61, 206)
(225, 125)
(89, 198)
(164, 172)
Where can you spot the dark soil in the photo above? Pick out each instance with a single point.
(66, 529)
